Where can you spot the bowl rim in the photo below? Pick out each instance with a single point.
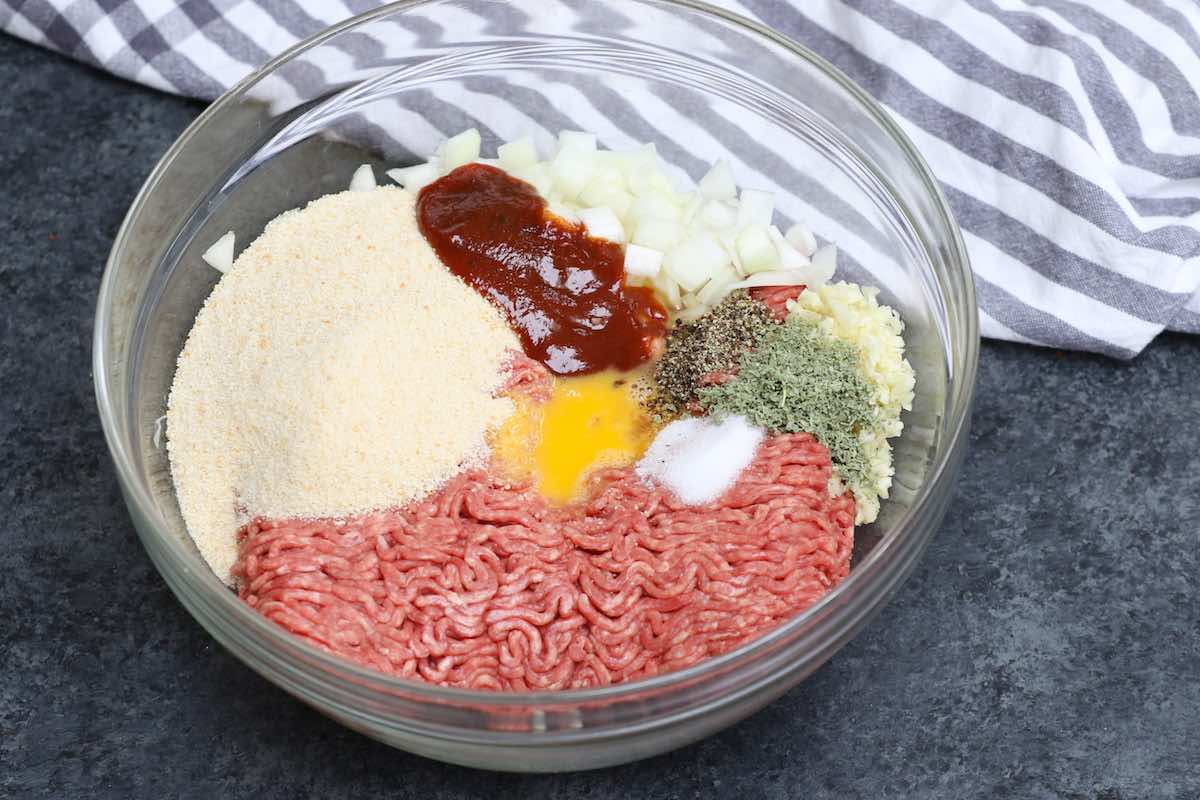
(343, 670)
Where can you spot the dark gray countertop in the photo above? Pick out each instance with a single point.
(1047, 646)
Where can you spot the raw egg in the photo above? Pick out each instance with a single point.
(589, 422)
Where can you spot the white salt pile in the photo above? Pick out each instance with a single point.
(699, 458)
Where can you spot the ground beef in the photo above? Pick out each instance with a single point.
(776, 298)
(484, 585)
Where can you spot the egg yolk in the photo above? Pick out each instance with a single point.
(589, 422)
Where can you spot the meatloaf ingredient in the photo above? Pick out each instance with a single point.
(485, 586)
(589, 422)
(307, 384)
(854, 314)
(694, 244)
(799, 379)
(562, 289)
(698, 458)
(712, 344)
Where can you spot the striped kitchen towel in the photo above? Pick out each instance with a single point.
(1066, 132)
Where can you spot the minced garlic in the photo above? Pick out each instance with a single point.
(853, 314)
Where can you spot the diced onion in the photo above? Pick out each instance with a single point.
(694, 260)
(824, 264)
(756, 250)
(789, 256)
(802, 239)
(668, 288)
(219, 255)
(537, 175)
(638, 160)
(603, 223)
(609, 193)
(563, 211)
(572, 169)
(517, 154)
(655, 204)
(363, 179)
(755, 208)
(415, 177)
(649, 181)
(718, 215)
(772, 278)
(643, 262)
(579, 141)
(460, 149)
(661, 234)
(718, 286)
(717, 183)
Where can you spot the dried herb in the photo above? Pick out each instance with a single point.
(800, 379)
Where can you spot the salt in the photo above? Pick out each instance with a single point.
(699, 458)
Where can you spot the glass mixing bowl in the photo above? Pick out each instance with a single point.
(702, 84)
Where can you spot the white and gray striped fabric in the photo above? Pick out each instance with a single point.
(1066, 133)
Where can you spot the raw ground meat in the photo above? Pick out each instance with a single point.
(484, 585)
(776, 298)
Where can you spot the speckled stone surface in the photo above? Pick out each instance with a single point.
(1048, 646)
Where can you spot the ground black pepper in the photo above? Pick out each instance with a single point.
(712, 344)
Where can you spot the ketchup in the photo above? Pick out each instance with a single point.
(563, 291)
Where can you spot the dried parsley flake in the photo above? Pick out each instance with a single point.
(800, 379)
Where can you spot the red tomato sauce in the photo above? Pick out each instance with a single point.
(563, 291)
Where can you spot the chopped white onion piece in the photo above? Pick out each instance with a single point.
(642, 262)
(668, 288)
(756, 250)
(219, 255)
(414, 177)
(718, 286)
(694, 260)
(661, 234)
(606, 174)
(717, 183)
(718, 215)
(536, 175)
(802, 239)
(637, 160)
(773, 278)
(690, 207)
(789, 256)
(517, 154)
(657, 205)
(649, 181)
(728, 240)
(460, 149)
(824, 264)
(602, 223)
(579, 141)
(363, 179)
(572, 169)
(755, 208)
(563, 211)
(603, 192)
